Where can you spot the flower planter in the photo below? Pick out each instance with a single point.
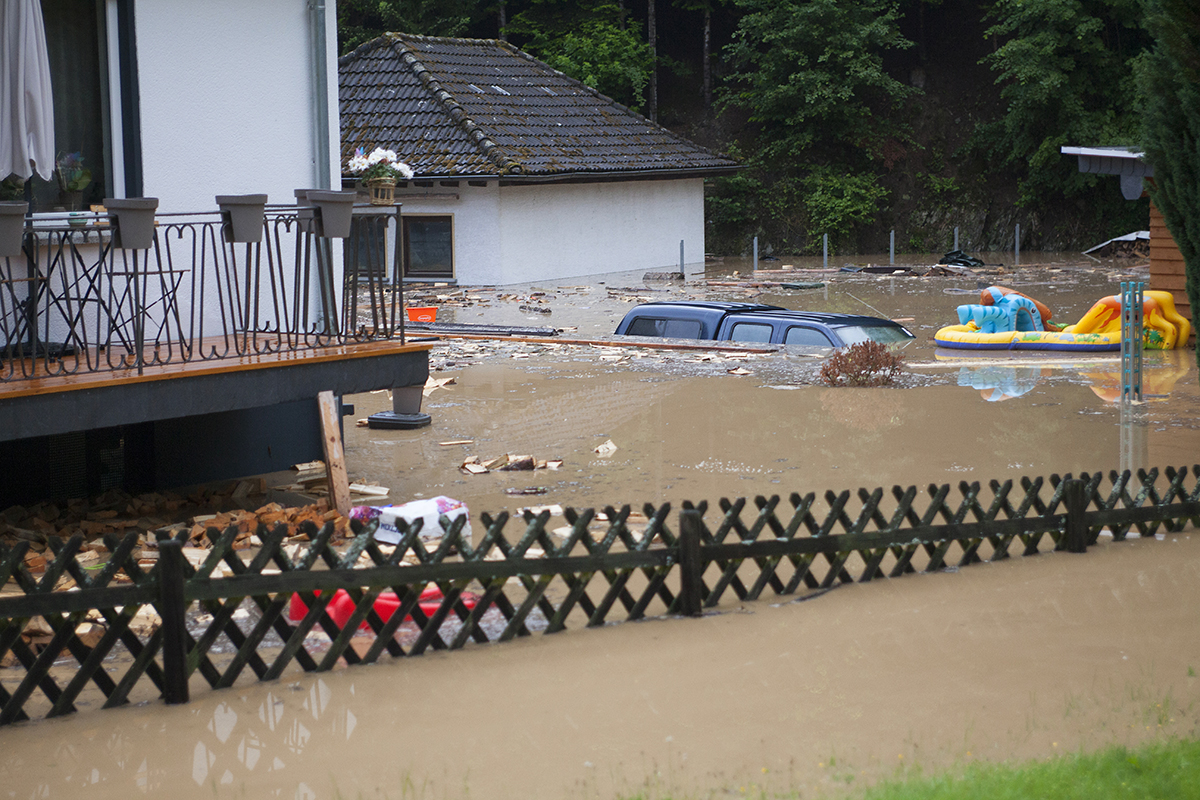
(135, 221)
(383, 191)
(12, 228)
(243, 216)
(336, 212)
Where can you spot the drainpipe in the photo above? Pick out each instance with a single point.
(320, 89)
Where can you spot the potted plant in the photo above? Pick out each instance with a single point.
(73, 177)
(12, 228)
(379, 171)
(242, 215)
(135, 221)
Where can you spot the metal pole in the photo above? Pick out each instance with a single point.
(955, 237)
(825, 251)
(892, 248)
(756, 254)
(1017, 246)
(1132, 299)
(681, 256)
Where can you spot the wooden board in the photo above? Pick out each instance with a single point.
(335, 454)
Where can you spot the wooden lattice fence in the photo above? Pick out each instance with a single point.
(599, 568)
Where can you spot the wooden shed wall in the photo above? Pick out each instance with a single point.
(1166, 262)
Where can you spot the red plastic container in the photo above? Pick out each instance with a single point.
(422, 314)
(342, 606)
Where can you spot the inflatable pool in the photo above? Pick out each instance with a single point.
(1008, 320)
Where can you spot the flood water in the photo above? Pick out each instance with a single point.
(1022, 659)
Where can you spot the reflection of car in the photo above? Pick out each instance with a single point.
(750, 322)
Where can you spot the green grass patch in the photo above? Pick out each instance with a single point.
(1161, 770)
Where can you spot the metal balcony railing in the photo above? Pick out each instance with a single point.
(76, 302)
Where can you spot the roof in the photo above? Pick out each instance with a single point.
(1124, 161)
(481, 107)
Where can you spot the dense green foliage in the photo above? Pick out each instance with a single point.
(854, 117)
(1170, 79)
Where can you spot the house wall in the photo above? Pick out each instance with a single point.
(520, 234)
(570, 230)
(226, 99)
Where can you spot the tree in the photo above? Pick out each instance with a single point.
(589, 44)
(810, 72)
(361, 21)
(1066, 71)
(1169, 77)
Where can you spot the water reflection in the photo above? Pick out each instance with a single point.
(272, 743)
(1006, 377)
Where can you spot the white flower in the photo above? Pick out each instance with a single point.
(404, 169)
(358, 163)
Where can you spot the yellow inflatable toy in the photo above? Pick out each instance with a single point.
(1014, 323)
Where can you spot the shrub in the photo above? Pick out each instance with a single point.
(862, 364)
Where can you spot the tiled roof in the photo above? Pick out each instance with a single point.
(482, 107)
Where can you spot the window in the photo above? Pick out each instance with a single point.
(750, 332)
(428, 247)
(884, 334)
(669, 328)
(811, 337)
(91, 48)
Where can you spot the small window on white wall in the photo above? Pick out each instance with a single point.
(428, 247)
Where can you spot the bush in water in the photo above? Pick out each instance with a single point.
(862, 364)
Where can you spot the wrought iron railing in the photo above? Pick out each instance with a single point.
(75, 302)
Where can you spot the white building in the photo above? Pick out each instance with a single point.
(521, 173)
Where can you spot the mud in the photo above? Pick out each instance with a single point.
(1021, 659)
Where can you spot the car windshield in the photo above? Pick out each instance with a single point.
(884, 334)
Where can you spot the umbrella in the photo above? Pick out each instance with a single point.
(26, 100)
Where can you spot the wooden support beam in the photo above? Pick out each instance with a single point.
(335, 454)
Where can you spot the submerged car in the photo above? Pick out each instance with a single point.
(753, 322)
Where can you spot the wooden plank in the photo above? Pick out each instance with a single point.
(335, 454)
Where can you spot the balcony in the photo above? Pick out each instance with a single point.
(188, 325)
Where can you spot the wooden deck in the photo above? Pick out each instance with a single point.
(49, 384)
(47, 404)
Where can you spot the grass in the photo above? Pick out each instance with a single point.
(1160, 770)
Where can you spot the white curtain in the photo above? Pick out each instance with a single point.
(26, 100)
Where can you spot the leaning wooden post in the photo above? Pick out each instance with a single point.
(1075, 500)
(335, 454)
(690, 567)
(173, 609)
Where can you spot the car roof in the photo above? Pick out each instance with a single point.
(832, 319)
(712, 305)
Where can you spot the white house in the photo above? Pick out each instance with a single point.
(521, 173)
(196, 357)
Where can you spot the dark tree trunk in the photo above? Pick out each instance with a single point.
(502, 16)
(652, 39)
(707, 59)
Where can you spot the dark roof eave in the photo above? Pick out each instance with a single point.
(578, 177)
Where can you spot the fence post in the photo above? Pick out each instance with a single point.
(825, 251)
(1075, 500)
(956, 237)
(756, 254)
(173, 610)
(892, 248)
(690, 568)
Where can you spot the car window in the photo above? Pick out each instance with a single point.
(670, 328)
(884, 334)
(750, 332)
(798, 334)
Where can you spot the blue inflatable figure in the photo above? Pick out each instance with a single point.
(1012, 312)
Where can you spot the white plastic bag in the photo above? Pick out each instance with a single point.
(428, 511)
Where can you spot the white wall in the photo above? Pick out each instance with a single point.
(519, 234)
(226, 99)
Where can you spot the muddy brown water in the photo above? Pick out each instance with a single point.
(1021, 659)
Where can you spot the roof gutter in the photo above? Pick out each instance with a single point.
(320, 89)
